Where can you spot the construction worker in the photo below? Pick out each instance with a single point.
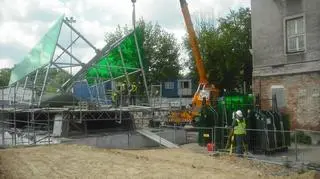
(124, 94)
(133, 91)
(115, 98)
(239, 131)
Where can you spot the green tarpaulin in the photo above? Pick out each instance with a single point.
(112, 65)
(40, 55)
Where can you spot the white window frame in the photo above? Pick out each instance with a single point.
(169, 85)
(181, 84)
(286, 38)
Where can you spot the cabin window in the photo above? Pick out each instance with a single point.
(169, 85)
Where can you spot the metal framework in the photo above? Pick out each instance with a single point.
(37, 80)
(34, 126)
(29, 117)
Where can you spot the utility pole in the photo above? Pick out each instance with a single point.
(138, 51)
(134, 14)
(70, 20)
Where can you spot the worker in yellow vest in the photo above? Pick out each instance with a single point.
(133, 93)
(239, 131)
(115, 98)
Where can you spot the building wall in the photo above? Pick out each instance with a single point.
(170, 92)
(268, 37)
(298, 73)
(301, 95)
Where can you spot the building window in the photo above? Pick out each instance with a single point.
(278, 92)
(184, 84)
(295, 34)
(169, 85)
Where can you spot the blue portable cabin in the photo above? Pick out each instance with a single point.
(177, 88)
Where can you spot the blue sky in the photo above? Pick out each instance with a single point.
(22, 23)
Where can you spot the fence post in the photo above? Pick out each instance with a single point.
(2, 117)
(128, 139)
(48, 123)
(174, 133)
(214, 137)
(295, 143)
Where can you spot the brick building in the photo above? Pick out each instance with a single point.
(286, 57)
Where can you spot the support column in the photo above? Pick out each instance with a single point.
(142, 69)
(123, 65)
(44, 84)
(24, 88)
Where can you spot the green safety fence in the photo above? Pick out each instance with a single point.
(113, 65)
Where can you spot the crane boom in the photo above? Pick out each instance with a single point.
(193, 42)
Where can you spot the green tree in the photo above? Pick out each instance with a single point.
(160, 51)
(225, 48)
(57, 78)
(5, 76)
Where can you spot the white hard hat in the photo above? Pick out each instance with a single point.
(239, 114)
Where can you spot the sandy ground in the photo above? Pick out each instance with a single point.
(75, 161)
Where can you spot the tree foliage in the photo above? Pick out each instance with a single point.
(160, 49)
(55, 80)
(4, 76)
(225, 48)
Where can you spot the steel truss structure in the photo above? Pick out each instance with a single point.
(30, 90)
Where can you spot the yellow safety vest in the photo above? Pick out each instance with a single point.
(134, 88)
(114, 95)
(240, 128)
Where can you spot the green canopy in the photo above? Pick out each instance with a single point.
(40, 55)
(120, 59)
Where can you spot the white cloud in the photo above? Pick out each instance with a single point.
(22, 23)
(11, 32)
(6, 63)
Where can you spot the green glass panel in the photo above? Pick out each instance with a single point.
(40, 55)
(112, 63)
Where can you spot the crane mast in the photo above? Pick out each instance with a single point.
(193, 43)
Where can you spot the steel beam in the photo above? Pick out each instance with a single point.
(112, 66)
(78, 33)
(24, 88)
(49, 65)
(141, 66)
(67, 64)
(74, 41)
(66, 51)
(123, 65)
(98, 56)
(131, 73)
(44, 84)
(34, 86)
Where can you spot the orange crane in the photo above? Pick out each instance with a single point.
(204, 90)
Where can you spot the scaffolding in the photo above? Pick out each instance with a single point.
(51, 125)
(40, 105)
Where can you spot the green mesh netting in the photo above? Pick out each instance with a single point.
(112, 65)
(40, 55)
